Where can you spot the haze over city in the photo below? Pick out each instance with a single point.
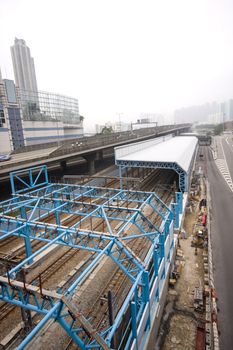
(126, 57)
(116, 174)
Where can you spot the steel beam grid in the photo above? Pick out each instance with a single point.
(26, 298)
(14, 203)
(54, 234)
(51, 199)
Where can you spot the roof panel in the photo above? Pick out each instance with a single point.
(178, 150)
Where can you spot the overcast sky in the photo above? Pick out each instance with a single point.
(124, 56)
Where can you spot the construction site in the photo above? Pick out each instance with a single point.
(105, 262)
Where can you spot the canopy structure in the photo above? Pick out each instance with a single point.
(176, 153)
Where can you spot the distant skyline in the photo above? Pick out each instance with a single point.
(128, 56)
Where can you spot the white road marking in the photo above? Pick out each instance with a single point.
(222, 166)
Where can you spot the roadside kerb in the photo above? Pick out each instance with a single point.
(213, 306)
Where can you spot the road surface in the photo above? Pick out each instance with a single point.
(222, 236)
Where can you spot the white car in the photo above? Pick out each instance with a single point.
(4, 157)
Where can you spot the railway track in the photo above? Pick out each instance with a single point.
(45, 274)
(7, 241)
(117, 284)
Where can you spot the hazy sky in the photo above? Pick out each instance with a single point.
(124, 56)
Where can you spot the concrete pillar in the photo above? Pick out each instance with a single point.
(63, 164)
(90, 158)
(120, 176)
(99, 155)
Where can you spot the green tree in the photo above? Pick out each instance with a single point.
(107, 130)
(218, 129)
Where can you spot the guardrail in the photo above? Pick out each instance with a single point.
(101, 139)
(112, 139)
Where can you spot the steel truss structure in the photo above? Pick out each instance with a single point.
(125, 224)
(183, 175)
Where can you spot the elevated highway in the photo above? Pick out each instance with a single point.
(89, 149)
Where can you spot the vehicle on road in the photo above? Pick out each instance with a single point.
(4, 157)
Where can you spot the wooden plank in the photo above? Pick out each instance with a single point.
(31, 288)
(12, 334)
(132, 253)
(85, 324)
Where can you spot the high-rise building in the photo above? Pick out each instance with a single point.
(29, 116)
(23, 64)
(11, 123)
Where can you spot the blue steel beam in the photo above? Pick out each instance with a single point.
(78, 340)
(179, 201)
(27, 297)
(21, 297)
(107, 244)
(8, 232)
(38, 327)
(29, 182)
(13, 204)
(89, 269)
(51, 205)
(100, 240)
(158, 165)
(151, 235)
(125, 260)
(125, 305)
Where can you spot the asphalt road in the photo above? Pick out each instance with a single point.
(222, 243)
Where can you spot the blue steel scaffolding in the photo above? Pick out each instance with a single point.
(24, 216)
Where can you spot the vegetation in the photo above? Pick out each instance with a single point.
(205, 126)
(218, 129)
(107, 130)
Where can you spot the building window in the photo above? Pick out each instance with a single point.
(2, 118)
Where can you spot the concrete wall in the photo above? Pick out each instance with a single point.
(72, 130)
(156, 318)
(147, 336)
(5, 143)
(36, 132)
(39, 131)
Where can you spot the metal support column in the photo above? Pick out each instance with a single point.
(26, 314)
(146, 293)
(179, 201)
(161, 245)
(145, 289)
(120, 176)
(26, 231)
(175, 209)
(133, 310)
(156, 261)
(57, 215)
(166, 227)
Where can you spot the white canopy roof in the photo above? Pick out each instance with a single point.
(177, 150)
